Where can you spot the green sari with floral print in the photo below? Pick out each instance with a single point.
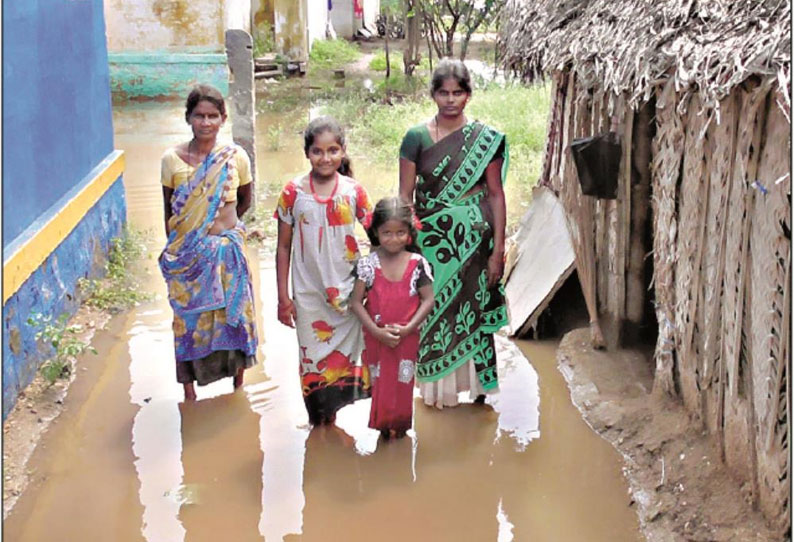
(457, 239)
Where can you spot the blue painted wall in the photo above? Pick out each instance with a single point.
(57, 118)
(51, 290)
(57, 134)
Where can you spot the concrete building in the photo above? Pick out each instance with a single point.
(63, 198)
(161, 49)
(297, 24)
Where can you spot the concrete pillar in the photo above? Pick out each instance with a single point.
(239, 50)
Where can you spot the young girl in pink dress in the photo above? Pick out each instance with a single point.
(392, 295)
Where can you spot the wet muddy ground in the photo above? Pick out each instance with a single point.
(127, 460)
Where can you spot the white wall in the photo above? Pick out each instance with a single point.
(237, 15)
(371, 10)
(342, 18)
(317, 14)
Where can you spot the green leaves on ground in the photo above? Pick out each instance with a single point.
(62, 337)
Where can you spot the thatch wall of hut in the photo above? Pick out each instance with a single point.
(706, 166)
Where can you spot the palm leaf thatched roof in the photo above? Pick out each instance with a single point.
(631, 46)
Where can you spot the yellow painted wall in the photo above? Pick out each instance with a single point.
(156, 25)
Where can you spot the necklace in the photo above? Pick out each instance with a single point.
(317, 196)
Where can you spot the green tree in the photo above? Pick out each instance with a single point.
(444, 18)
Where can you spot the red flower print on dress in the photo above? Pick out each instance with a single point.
(337, 365)
(286, 200)
(312, 381)
(363, 204)
(339, 212)
(333, 299)
(323, 330)
(351, 248)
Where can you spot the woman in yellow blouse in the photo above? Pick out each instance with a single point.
(207, 187)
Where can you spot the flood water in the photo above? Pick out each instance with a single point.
(129, 461)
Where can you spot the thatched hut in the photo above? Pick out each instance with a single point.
(697, 242)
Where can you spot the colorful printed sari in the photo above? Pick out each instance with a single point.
(209, 283)
(457, 239)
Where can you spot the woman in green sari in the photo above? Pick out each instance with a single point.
(453, 169)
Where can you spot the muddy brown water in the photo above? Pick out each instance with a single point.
(128, 461)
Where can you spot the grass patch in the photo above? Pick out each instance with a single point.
(117, 291)
(375, 127)
(333, 53)
(378, 62)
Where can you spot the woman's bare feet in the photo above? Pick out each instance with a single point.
(190, 392)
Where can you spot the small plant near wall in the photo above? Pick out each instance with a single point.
(264, 40)
(63, 338)
(117, 291)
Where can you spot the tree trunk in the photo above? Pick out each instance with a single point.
(464, 45)
(429, 46)
(449, 42)
(386, 45)
(412, 34)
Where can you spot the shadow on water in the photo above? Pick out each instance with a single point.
(222, 465)
(128, 461)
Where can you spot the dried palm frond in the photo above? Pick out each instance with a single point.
(619, 47)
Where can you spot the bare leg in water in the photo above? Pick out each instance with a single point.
(190, 392)
(238, 378)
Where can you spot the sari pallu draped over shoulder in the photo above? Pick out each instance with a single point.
(207, 272)
(457, 239)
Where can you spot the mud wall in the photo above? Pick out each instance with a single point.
(64, 198)
(720, 192)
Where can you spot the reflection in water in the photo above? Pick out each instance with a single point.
(246, 466)
(222, 462)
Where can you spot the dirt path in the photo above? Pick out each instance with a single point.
(680, 487)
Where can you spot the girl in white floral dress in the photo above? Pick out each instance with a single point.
(316, 219)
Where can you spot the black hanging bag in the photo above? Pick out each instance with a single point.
(597, 160)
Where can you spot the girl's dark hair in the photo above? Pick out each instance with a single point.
(450, 68)
(206, 93)
(321, 125)
(393, 209)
